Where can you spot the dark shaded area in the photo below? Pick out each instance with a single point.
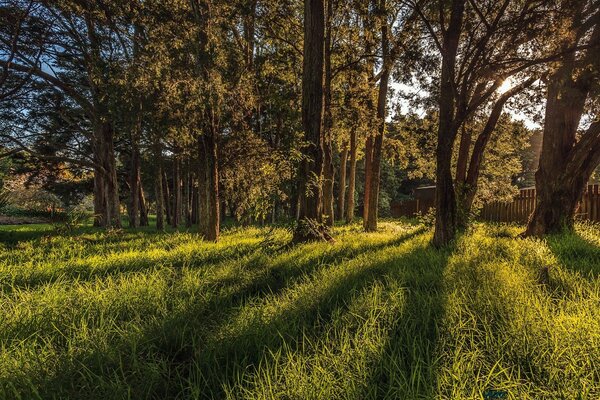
(185, 345)
(576, 253)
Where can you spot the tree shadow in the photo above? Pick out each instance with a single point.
(185, 342)
(116, 264)
(407, 367)
(576, 253)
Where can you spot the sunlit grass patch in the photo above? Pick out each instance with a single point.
(381, 315)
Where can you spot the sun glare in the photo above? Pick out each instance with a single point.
(505, 87)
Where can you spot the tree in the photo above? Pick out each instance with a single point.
(570, 151)
(311, 169)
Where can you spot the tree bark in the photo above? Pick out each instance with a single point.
(134, 183)
(167, 198)
(445, 198)
(186, 196)
(328, 169)
(374, 170)
(311, 171)
(352, 177)
(213, 215)
(342, 184)
(176, 214)
(143, 207)
(106, 189)
(566, 163)
(158, 189)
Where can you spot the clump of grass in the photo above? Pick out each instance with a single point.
(381, 315)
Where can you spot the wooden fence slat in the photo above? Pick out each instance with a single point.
(519, 210)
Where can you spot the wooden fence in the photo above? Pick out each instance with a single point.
(523, 205)
(518, 210)
(411, 208)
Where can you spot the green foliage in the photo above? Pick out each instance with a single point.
(381, 315)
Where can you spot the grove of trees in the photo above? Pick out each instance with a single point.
(313, 110)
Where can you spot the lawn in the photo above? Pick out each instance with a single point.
(373, 316)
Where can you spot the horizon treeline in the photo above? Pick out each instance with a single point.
(315, 110)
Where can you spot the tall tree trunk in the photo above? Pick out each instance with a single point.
(352, 177)
(369, 28)
(372, 195)
(328, 169)
(107, 206)
(468, 169)
(342, 184)
(213, 215)
(566, 163)
(370, 224)
(167, 198)
(176, 214)
(186, 196)
(143, 207)
(202, 188)
(311, 169)
(445, 197)
(134, 183)
(158, 188)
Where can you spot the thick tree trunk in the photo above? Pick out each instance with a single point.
(311, 169)
(351, 178)
(106, 187)
(445, 198)
(566, 163)
(342, 184)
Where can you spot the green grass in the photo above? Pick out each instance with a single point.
(384, 315)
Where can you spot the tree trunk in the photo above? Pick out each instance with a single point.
(158, 189)
(213, 215)
(445, 198)
(106, 187)
(351, 178)
(328, 170)
(143, 207)
(202, 188)
(167, 198)
(186, 196)
(566, 163)
(134, 184)
(342, 184)
(311, 169)
(176, 214)
(368, 179)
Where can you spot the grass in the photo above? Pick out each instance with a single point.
(136, 315)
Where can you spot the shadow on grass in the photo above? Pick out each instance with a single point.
(407, 367)
(186, 343)
(576, 253)
(82, 271)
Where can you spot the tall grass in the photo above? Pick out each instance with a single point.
(383, 315)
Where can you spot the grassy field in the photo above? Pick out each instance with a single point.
(374, 316)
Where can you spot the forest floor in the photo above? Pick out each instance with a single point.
(383, 315)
